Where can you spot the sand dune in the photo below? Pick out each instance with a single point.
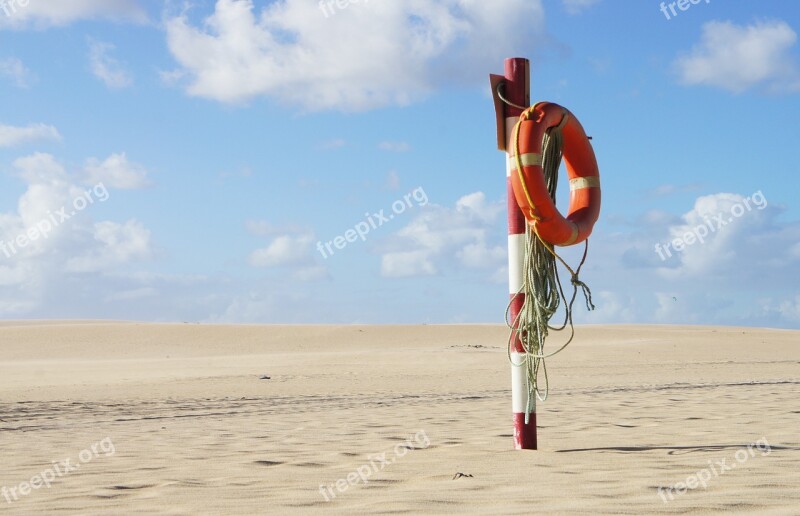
(176, 419)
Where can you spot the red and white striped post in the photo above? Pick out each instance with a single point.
(516, 89)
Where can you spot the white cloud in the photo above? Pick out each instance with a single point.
(106, 68)
(736, 276)
(39, 168)
(11, 135)
(12, 307)
(284, 250)
(578, 6)
(719, 224)
(291, 51)
(440, 237)
(259, 305)
(16, 71)
(251, 308)
(610, 307)
(290, 248)
(394, 146)
(115, 244)
(116, 172)
(737, 58)
(475, 204)
(129, 295)
(790, 309)
(404, 264)
(48, 13)
(171, 77)
(49, 239)
(479, 255)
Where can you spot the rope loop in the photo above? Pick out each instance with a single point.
(502, 97)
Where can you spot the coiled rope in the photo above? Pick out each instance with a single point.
(541, 284)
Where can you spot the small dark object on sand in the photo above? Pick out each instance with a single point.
(462, 475)
(264, 377)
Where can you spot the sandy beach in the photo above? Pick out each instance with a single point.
(116, 418)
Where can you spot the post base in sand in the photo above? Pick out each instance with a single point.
(524, 435)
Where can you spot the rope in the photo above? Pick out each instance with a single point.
(541, 284)
(501, 96)
(520, 168)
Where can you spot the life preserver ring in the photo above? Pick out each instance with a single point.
(529, 185)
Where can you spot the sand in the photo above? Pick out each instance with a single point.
(180, 419)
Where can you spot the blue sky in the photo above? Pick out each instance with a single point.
(214, 144)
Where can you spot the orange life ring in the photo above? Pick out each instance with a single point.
(530, 189)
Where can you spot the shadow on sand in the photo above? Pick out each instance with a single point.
(675, 450)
